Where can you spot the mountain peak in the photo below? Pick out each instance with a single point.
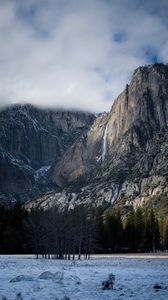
(124, 145)
(158, 66)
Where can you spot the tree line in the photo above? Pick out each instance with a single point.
(81, 231)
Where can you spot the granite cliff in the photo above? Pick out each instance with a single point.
(123, 158)
(119, 159)
(31, 139)
(138, 116)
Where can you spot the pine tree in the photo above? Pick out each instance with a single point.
(156, 242)
(129, 231)
(139, 229)
(152, 235)
(99, 229)
(165, 233)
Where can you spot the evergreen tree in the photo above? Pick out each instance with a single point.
(99, 229)
(129, 231)
(113, 232)
(156, 240)
(152, 235)
(165, 233)
(139, 229)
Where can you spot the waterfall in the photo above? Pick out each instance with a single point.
(104, 148)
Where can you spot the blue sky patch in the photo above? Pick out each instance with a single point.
(151, 55)
(120, 37)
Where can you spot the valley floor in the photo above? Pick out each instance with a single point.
(135, 276)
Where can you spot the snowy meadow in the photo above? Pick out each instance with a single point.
(136, 277)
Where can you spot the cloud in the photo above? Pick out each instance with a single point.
(77, 54)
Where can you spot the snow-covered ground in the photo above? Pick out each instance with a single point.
(135, 278)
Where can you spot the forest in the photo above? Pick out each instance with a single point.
(80, 232)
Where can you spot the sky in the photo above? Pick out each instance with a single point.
(77, 54)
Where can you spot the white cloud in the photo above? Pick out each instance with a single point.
(68, 53)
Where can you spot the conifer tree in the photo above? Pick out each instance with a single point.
(152, 235)
(129, 231)
(139, 229)
(165, 233)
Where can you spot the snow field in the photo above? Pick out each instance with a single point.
(82, 280)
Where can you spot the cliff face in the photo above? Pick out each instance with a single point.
(83, 156)
(141, 110)
(31, 139)
(118, 159)
(137, 116)
(122, 148)
(40, 136)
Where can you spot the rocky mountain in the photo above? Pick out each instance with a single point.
(31, 140)
(122, 159)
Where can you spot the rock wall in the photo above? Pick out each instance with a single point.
(136, 149)
(32, 138)
(138, 116)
